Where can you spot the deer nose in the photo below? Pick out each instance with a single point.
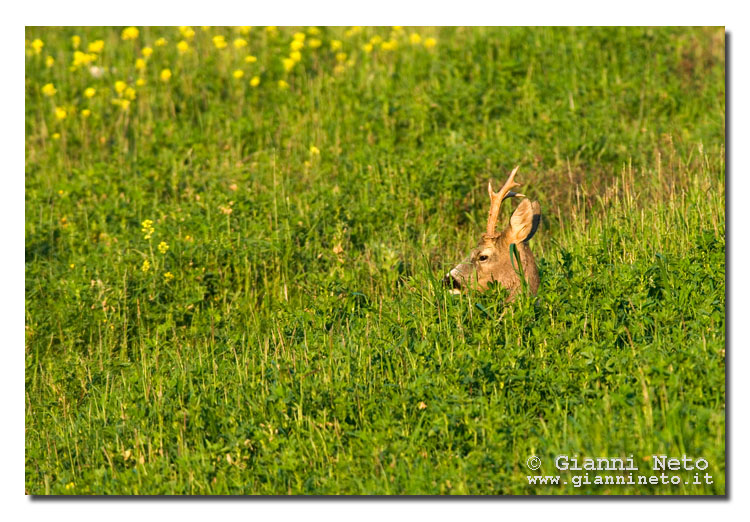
(452, 283)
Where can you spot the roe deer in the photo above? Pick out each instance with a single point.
(492, 260)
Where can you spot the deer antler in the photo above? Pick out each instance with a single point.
(496, 198)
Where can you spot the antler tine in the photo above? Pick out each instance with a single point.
(496, 198)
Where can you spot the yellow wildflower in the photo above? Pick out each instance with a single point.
(120, 86)
(56, 136)
(296, 45)
(340, 57)
(80, 58)
(296, 56)
(239, 43)
(147, 51)
(187, 32)
(375, 40)
(335, 45)
(254, 81)
(283, 85)
(300, 37)
(163, 247)
(168, 276)
(354, 30)
(147, 227)
(85, 113)
(397, 28)
(219, 41)
(339, 69)
(140, 64)
(160, 42)
(49, 61)
(146, 266)
(96, 46)
(314, 151)
(130, 33)
(429, 43)
(314, 43)
(238, 73)
(250, 58)
(415, 38)
(313, 31)
(90, 92)
(130, 93)
(183, 47)
(37, 45)
(49, 89)
(60, 113)
(390, 45)
(124, 104)
(75, 40)
(367, 47)
(70, 485)
(140, 82)
(288, 64)
(244, 29)
(165, 75)
(271, 29)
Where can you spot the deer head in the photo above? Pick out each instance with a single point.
(492, 259)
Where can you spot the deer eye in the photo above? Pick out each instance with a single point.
(484, 257)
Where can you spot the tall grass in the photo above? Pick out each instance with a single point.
(304, 343)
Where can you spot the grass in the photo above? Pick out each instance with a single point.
(303, 343)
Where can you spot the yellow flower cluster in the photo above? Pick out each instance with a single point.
(163, 247)
(186, 32)
(96, 46)
(147, 227)
(49, 89)
(80, 58)
(343, 52)
(219, 41)
(125, 94)
(130, 33)
(37, 45)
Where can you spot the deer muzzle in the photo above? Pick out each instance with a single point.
(457, 277)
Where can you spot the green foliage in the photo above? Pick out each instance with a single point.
(304, 343)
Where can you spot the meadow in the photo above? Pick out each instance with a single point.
(235, 239)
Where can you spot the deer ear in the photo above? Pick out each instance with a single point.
(524, 221)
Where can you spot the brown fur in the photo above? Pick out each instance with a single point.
(491, 262)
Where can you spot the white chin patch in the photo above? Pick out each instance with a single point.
(454, 291)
